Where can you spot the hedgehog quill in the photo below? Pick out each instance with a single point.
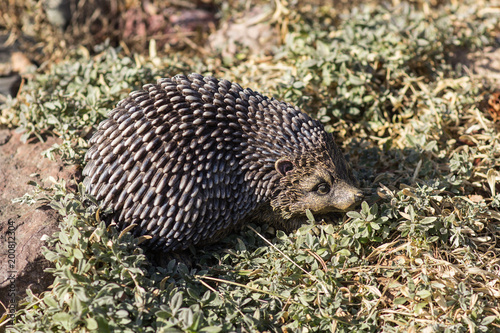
(192, 158)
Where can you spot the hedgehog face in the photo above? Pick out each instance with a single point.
(317, 187)
(323, 193)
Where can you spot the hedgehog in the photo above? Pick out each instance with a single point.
(192, 158)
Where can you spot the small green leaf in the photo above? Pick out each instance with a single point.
(400, 300)
(423, 293)
(91, 324)
(488, 320)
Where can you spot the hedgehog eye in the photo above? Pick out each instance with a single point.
(283, 166)
(323, 188)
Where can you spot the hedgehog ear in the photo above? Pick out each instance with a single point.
(283, 166)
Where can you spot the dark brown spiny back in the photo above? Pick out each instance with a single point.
(188, 158)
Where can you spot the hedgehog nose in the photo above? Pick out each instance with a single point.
(347, 196)
(358, 197)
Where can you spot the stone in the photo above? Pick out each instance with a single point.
(22, 226)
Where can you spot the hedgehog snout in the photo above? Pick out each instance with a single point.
(346, 196)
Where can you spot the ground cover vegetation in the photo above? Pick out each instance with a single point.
(421, 254)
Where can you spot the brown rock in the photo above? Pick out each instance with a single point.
(253, 31)
(13, 65)
(483, 63)
(22, 226)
